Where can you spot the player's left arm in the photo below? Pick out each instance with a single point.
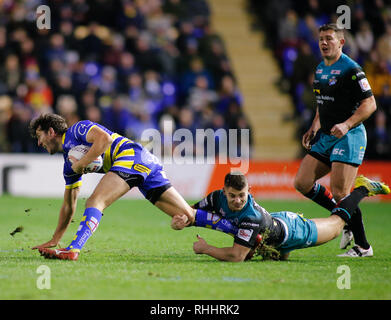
(358, 86)
(100, 140)
(364, 111)
(236, 253)
(67, 211)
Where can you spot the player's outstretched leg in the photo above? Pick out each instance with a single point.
(89, 223)
(373, 188)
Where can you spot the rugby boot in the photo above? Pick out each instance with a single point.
(61, 254)
(373, 187)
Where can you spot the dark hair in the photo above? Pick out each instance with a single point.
(332, 26)
(236, 180)
(46, 121)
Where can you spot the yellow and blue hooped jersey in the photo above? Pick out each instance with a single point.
(123, 155)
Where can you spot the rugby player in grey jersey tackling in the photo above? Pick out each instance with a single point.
(232, 210)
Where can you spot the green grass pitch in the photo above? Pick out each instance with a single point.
(135, 255)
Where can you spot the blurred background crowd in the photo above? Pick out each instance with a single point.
(129, 65)
(133, 65)
(291, 28)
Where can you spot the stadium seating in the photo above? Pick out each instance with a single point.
(122, 63)
(291, 28)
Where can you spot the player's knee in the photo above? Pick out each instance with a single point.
(301, 185)
(95, 202)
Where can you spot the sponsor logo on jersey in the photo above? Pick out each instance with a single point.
(332, 81)
(82, 129)
(319, 71)
(250, 224)
(364, 84)
(335, 72)
(245, 234)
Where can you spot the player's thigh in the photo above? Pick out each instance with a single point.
(341, 179)
(328, 228)
(172, 203)
(310, 170)
(110, 188)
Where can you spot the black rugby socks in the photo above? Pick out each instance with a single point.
(321, 196)
(348, 205)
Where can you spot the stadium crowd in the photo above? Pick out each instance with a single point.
(291, 28)
(126, 64)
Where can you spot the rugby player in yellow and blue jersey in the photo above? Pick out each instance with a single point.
(337, 140)
(232, 210)
(126, 164)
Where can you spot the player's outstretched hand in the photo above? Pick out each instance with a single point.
(178, 222)
(200, 245)
(49, 244)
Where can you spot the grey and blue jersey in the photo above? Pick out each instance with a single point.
(250, 221)
(286, 231)
(339, 89)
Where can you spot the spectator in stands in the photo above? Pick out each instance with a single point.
(147, 58)
(228, 93)
(365, 39)
(288, 28)
(216, 60)
(11, 75)
(197, 68)
(67, 108)
(384, 45)
(200, 96)
(39, 95)
(125, 68)
(114, 50)
(303, 67)
(379, 138)
(5, 116)
(384, 100)
(107, 83)
(116, 116)
(18, 134)
(379, 77)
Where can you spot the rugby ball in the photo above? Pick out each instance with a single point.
(77, 152)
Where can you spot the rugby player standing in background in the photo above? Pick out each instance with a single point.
(336, 140)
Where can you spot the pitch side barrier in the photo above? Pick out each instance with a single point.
(40, 175)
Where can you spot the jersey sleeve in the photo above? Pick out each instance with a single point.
(359, 84)
(81, 129)
(209, 203)
(248, 230)
(72, 179)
